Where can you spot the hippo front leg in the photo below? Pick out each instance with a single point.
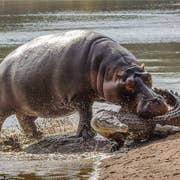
(84, 128)
(28, 125)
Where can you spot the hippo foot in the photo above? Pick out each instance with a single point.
(36, 136)
(86, 134)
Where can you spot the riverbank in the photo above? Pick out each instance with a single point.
(156, 160)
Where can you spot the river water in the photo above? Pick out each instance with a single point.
(148, 28)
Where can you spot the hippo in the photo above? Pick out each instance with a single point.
(58, 74)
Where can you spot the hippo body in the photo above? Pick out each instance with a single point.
(55, 75)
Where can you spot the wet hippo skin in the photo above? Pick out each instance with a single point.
(56, 75)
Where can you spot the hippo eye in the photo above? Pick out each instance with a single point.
(130, 85)
(120, 75)
(148, 80)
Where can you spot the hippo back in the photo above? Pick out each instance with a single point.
(50, 70)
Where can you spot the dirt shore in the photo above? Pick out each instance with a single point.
(157, 160)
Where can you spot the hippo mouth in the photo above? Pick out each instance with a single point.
(151, 107)
(148, 103)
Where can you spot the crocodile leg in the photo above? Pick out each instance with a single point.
(116, 145)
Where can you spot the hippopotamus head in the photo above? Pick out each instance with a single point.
(132, 86)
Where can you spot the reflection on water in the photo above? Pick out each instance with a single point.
(19, 165)
(150, 29)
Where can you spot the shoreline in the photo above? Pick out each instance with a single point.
(155, 160)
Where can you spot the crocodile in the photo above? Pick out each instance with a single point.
(124, 125)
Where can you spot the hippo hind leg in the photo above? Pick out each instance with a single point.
(28, 125)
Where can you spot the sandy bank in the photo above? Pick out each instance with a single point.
(157, 160)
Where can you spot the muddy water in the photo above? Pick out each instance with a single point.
(150, 29)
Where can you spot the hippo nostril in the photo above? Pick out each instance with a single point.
(159, 102)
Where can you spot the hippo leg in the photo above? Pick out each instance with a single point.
(28, 125)
(85, 113)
